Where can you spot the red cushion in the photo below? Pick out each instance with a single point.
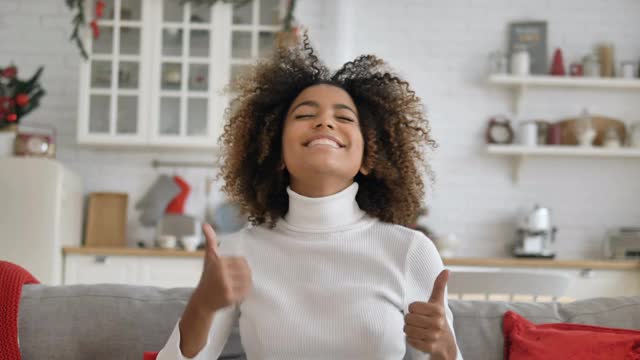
(524, 340)
(150, 355)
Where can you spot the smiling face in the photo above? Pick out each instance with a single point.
(322, 143)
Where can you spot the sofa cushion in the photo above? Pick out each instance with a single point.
(478, 324)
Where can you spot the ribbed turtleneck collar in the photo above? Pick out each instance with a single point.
(324, 213)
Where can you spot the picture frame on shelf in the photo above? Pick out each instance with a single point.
(531, 35)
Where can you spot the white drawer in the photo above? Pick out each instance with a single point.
(98, 269)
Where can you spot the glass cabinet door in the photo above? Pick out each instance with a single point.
(114, 72)
(157, 71)
(253, 31)
(184, 92)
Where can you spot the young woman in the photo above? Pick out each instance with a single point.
(328, 167)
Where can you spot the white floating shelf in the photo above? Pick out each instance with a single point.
(520, 152)
(520, 84)
(551, 150)
(565, 81)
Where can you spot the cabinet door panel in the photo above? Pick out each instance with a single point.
(157, 70)
(170, 272)
(87, 269)
(112, 80)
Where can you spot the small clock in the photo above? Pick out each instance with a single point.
(35, 141)
(499, 131)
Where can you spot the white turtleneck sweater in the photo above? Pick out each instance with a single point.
(329, 282)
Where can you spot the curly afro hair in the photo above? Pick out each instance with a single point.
(395, 130)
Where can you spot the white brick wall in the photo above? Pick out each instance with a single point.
(441, 47)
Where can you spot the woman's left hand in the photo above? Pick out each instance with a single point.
(426, 323)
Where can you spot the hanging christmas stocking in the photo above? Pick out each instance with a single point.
(176, 206)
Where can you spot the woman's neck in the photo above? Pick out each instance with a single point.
(319, 187)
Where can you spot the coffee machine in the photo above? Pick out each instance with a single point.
(536, 236)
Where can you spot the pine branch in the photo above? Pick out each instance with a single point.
(77, 22)
(288, 19)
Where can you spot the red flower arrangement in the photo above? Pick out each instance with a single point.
(17, 97)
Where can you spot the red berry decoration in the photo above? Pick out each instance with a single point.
(10, 72)
(99, 8)
(95, 29)
(12, 117)
(22, 99)
(5, 104)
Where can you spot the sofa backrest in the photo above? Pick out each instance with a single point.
(101, 321)
(121, 321)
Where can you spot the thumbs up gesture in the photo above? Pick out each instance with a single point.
(225, 280)
(426, 324)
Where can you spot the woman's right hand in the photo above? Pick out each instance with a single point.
(225, 280)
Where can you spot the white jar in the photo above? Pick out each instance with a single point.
(520, 62)
(528, 134)
(628, 69)
(635, 135)
(590, 66)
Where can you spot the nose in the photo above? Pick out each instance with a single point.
(324, 119)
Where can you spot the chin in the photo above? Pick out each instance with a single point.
(329, 167)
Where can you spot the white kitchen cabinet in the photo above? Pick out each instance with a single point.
(99, 269)
(156, 73)
(173, 272)
(583, 283)
(133, 270)
(589, 283)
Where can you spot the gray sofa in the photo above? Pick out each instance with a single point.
(121, 322)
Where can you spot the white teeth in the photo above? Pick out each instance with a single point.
(324, 141)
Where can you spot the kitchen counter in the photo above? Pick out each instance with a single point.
(546, 263)
(481, 262)
(131, 251)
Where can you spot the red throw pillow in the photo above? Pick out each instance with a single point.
(524, 340)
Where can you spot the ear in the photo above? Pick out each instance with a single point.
(364, 170)
(282, 165)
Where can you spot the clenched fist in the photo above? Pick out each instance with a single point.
(225, 280)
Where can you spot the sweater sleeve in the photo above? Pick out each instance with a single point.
(223, 322)
(423, 264)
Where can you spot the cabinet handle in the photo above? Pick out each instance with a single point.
(100, 259)
(586, 273)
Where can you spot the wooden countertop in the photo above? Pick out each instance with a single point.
(484, 262)
(546, 263)
(131, 251)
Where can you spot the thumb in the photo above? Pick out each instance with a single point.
(439, 285)
(212, 240)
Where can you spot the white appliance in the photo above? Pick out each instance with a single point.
(536, 235)
(623, 243)
(41, 205)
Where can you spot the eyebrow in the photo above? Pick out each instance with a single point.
(316, 105)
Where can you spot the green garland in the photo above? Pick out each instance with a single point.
(79, 19)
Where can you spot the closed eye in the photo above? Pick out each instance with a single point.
(345, 118)
(304, 116)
